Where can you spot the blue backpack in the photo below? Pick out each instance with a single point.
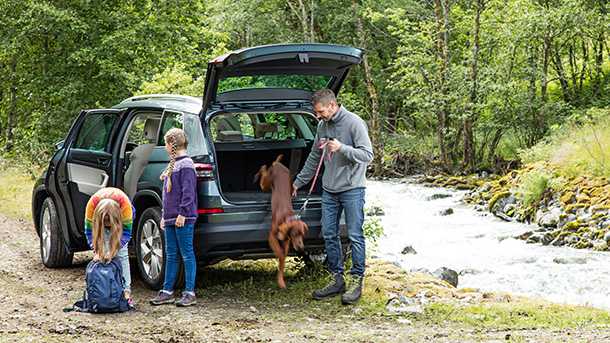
(104, 291)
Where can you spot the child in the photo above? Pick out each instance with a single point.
(178, 219)
(108, 221)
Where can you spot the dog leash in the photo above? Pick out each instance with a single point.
(313, 184)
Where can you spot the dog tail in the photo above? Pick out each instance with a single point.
(279, 157)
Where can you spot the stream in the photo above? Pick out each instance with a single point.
(481, 247)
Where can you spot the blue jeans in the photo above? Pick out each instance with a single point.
(352, 202)
(179, 240)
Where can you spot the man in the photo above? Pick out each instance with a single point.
(344, 138)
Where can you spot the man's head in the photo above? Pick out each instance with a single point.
(324, 104)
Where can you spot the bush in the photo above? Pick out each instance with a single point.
(533, 185)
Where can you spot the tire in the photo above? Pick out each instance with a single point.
(53, 251)
(149, 244)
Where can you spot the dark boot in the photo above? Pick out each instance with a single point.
(354, 291)
(334, 287)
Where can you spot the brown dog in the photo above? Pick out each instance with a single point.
(286, 229)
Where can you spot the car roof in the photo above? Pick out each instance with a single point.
(177, 102)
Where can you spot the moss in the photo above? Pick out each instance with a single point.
(572, 207)
(567, 198)
(583, 244)
(572, 226)
(599, 216)
(497, 197)
(583, 199)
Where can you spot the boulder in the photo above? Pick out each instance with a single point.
(607, 237)
(438, 196)
(570, 260)
(408, 250)
(448, 275)
(549, 218)
(446, 212)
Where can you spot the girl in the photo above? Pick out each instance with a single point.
(178, 219)
(108, 221)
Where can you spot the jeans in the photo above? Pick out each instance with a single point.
(123, 255)
(179, 240)
(352, 202)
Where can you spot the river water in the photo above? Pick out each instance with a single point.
(480, 247)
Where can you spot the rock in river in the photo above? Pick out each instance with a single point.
(446, 274)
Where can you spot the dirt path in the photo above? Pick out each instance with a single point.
(33, 296)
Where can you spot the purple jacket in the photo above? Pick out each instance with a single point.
(182, 200)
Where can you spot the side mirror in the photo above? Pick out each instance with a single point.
(59, 144)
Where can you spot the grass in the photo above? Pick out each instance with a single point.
(520, 314)
(533, 185)
(15, 194)
(579, 147)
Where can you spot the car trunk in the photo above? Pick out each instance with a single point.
(244, 142)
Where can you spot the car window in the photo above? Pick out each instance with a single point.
(191, 124)
(95, 131)
(236, 127)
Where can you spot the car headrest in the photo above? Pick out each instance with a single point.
(151, 128)
(263, 130)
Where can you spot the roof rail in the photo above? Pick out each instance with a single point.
(173, 97)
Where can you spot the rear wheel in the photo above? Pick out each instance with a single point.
(53, 250)
(149, 243)
(150, 250)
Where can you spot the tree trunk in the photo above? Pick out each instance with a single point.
(441, 13)
(11, 115)
(376, 127)
(469, 153)
(563, 81)
(599, 51)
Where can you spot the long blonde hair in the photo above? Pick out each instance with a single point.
(177, 139)
(107, 210)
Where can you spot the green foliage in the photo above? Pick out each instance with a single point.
(580, 146)
(533, 185)
(58, 57)
(373, 229)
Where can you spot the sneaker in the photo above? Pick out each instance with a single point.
(335, 287)
(163, 298)
(354, 291)
(187, 299)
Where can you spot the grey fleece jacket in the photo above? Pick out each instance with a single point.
(346, 169)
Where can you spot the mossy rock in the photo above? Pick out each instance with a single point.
(599, 208)
(572, 207)
(583, 199)
(599, 216)
(567, 198)
(572, 226)
(583, 244)
(497, 197)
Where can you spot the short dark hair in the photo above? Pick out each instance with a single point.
(323, 96)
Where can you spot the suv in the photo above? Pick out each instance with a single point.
(256, 105)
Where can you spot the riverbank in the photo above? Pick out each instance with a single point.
(569, 211)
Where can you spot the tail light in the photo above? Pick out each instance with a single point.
(210, 210)
(204, 171)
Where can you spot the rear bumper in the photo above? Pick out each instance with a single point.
(216, 240)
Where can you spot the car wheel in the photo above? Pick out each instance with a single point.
(149, 245)
(150, 249)
(53, 250)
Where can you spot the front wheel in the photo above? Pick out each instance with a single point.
(53, 250)
(149, 242)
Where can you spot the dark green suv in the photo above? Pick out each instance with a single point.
(256, 105)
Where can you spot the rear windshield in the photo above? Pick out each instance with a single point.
(304, 82)
(240, 127)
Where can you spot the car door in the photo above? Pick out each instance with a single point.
(87, 165)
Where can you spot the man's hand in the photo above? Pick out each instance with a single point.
(180, 221)
(333, 145)
(162, 223)
(294, 190)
